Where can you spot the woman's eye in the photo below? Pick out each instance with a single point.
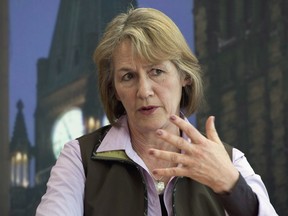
(156, 72)
(127, 77)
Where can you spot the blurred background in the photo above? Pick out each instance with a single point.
(48, 84)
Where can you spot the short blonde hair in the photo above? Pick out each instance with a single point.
(155, 37)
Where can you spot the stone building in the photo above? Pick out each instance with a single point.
(242, 46)
(23, 199)
(67, 98)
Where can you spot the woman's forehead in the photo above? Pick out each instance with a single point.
(141, 50)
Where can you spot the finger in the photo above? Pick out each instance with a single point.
(195, 136)
(173, 171)
(211, 131)
(174, 140)
(173, 157)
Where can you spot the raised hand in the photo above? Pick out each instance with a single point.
(203, 159)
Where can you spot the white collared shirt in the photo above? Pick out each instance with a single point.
(65, 188)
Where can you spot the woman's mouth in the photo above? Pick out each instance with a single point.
(147, 110)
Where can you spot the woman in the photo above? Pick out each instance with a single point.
(151, 160)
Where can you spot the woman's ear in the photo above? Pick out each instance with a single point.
(187, 81)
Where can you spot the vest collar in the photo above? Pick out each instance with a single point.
(111, 155)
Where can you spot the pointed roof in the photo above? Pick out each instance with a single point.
(19, 141)
(78, 27)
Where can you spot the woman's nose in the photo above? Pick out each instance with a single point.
(145, 88)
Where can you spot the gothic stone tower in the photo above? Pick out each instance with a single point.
(65, 108)
(22, 197)
(243, 48)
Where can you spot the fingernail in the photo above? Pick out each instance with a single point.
(213, 119)
(151, 152)
(154, 172)
(173, 117)
(159, 132)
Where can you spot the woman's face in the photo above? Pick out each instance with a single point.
(150, 93)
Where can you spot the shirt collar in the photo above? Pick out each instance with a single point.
(117, 141)
(118, 137)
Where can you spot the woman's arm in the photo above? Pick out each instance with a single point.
(204, 159)
(65, 188)
(255, 182)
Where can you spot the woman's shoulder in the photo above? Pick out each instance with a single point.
(96, 135)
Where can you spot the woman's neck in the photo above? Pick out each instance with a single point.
(142, 142)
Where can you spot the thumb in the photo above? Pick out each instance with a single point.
(211, 131)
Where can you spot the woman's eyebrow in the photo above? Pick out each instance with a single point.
(124, 69)
(160, 64)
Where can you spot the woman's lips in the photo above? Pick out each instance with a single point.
(147, 110)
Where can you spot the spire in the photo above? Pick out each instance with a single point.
(19, 139)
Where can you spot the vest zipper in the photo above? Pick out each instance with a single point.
(173, 196)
